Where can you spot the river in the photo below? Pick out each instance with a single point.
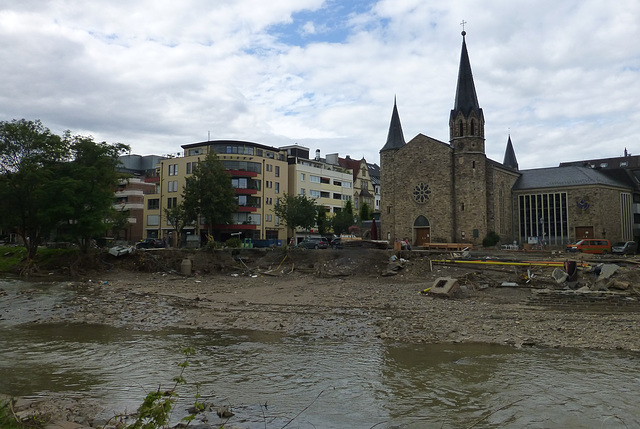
(329, 384)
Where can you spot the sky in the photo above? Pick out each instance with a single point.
(562, 78)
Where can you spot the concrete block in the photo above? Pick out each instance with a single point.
(446, 287)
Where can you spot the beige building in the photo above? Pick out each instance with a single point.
(259, 174)
(329, 184)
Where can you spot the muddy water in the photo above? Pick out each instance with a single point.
(332, 384)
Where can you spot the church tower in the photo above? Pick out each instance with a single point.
(470, 170)
(466, 122)
(389, 175)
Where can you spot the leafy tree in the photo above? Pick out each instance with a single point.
(343, 219)
(364, 212)
(91, 178)
(296, 211)
(178, 219)
(323, 223)
(210, 193)
(31, 159)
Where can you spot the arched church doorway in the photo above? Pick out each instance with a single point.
(422, 230)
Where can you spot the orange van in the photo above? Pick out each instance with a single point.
(590, 245)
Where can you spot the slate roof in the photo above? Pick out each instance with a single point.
(510, 156)
(395, 138)
(466, 97)
(562, 177)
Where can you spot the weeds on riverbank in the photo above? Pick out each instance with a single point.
(9, 419)
(155, 410)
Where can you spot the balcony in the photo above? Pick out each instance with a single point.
(242, 173)
(247, 209)
(246, 191)
(244, 227)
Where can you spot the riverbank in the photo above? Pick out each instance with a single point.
(322, 296)
(349, 295)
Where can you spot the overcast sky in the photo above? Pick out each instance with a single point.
(563, 77)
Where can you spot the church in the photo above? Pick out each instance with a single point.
(438, 192)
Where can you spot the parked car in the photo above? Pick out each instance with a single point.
(150, 243)
(336, 243)
(314, 243)
(625, 248)
(590, 246)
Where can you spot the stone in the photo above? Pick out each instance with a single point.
(446, 286)
(559, 275)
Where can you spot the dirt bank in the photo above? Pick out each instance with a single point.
(358, 293)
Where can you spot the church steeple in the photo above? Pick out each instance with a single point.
(466, 122)
(510, 156)
(395, 138)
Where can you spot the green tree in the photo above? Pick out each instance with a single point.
(296, 211)
(177, 217)
(364, 212)
(343, 219)
(209, 193)
(31, 160)
(324, 224)
(91, 179)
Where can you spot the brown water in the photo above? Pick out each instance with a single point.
(333, 384)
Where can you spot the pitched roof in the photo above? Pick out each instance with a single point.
(562, 177)
(466, 98)
(395, 138)
(510, 156)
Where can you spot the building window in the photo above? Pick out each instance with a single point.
(153, 204)
(153, 220)
(269, 167)
(172, 186)
(303, 192)
(172, 202)
(173, 169)
(473, 128)
(277, 187)
(302, 177)
(277, 171)
(388, 209)
(460, 129)
(314, 179)
(268, 218)
(314, 193)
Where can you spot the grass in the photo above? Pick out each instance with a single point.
(12, 256)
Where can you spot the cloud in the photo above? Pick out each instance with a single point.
(560, 76)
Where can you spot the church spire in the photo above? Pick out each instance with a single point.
(510, 156)
(466, 122)
(466, 98)
(395, 138)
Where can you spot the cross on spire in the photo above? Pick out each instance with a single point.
(463, 23)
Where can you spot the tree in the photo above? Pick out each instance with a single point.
(296, 211)
(31, 160)
(364, 212)
(343, 219)
(209, 193)
(323, 223)
(91, 181)
(177, 217)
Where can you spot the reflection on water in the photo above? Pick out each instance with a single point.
(356, 385)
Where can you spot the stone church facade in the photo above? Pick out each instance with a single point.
(435, 192)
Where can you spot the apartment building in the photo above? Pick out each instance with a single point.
(259, 174)
(329, 184)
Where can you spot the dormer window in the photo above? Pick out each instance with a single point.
(461, 129)
(473, 128)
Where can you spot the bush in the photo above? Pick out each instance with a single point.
(233, 242)
(491, 239)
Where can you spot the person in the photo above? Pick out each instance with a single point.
(405, 244)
